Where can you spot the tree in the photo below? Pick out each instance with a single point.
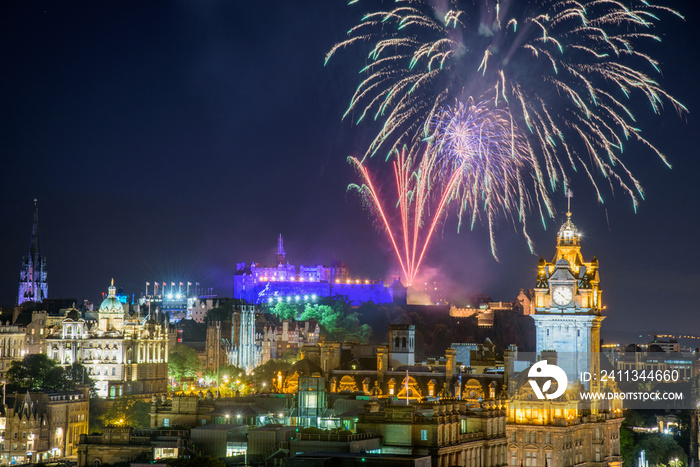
(628, 447)
(209, 375)
(337, 320)
(127, 411)
(182, 362)
(97, 409)
(264, 376)
(660, 449)
(38, 372)
(287, 311)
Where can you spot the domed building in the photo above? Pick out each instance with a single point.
(123, 353)
(111, 312)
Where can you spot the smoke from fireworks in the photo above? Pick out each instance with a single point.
(564, 71)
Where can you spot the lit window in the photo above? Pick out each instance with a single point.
(424, 435)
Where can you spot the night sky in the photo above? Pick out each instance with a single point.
(169, 140)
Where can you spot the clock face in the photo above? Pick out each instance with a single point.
(562, 295)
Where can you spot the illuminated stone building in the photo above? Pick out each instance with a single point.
(370, 371)
(456, 418)
(450, 431)
(12, 345)
(38, 324)
(123, 353)
(266, 342)
(23, 332)
(205, 409)
(122, 445)
(287, 336)
(32, 277)
(568, 312)
(41, 427)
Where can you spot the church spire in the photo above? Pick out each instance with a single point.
(35, 247)
(33, 286)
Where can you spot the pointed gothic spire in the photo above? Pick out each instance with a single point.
(281, 255)
(33, 286)
(35, 247)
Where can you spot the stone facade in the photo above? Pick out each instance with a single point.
(565, 431)
(452, 432)
(204, 409)
(568, 306)
(125, 445)
(12, 346)
(123, 353)
(40, 427)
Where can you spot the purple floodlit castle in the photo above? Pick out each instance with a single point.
(285, 282)
(32, 277)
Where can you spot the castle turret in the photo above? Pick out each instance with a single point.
(281, 255)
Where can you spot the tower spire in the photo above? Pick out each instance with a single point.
(281, 255)
(34, 247)
(32, 276)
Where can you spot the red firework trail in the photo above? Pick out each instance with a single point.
(415, 193)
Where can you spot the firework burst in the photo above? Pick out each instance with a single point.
(419, 204)
(495, 173)
(566, 70)
(474, 156)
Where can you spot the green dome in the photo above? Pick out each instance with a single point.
(111, 304)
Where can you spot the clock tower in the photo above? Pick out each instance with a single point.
(568, 307)
(568, 430)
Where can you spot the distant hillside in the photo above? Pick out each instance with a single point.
(436, 329)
